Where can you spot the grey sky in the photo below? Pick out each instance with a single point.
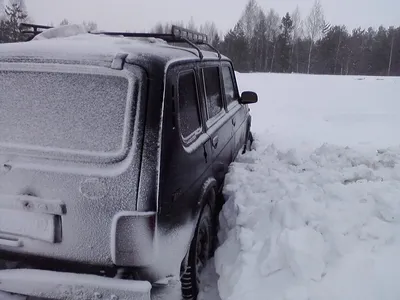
(143, 14)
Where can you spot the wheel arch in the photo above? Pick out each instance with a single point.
(209, 185)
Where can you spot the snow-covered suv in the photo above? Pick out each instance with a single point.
(113, 152)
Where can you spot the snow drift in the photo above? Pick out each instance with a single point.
(313, 213)
(324, 226)
(61, 32)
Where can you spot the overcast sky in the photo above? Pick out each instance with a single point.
(135, 15)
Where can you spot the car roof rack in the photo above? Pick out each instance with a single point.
(35, 28)
(178, 35)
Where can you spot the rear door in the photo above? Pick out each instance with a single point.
(186, 145)
(218, 123)
(237, 112)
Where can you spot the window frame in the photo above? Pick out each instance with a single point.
(193, 137)
(236, 102)
(211, 121)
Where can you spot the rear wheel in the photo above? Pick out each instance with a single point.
(201, 250)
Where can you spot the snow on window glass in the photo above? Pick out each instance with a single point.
(62, 110)
(230, 91)
(189, 117)
(213, 91)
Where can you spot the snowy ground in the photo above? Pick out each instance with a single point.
(314, 212)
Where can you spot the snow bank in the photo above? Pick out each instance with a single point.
(313, 213)
(305, 227)
(61, 32)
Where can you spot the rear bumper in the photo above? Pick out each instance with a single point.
(123, 238)
(57, 285)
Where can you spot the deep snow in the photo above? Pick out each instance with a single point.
(313, 211)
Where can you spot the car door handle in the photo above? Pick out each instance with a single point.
(233, 121)
(215, 141)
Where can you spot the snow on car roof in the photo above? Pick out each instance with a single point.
(73, 45)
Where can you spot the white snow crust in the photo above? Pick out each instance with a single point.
(61, 31)
(72, 44)
(313, 213)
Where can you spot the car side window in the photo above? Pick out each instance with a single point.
(189, 115)
(231, 94)
(212, 88)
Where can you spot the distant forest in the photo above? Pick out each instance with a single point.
(263, 41)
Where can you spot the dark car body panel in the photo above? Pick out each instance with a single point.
(157, 185)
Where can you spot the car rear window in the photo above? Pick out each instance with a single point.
(69, 111)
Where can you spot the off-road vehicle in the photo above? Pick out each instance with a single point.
(113, 151)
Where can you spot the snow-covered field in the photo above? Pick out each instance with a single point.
(314, 212)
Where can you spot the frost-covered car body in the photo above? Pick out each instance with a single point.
(95, 171)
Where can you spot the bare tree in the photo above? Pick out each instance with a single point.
(64, 22)
(2, 8)
(210, 29)
(392, 33)
(22, 7)
(249, 18)
(166, 27)
(15, 14)
(259, 43)
(272, 34)
(192, 25)
(20, 3)
(315, 24)
(271, 22)
(158, 28)
(297, 32)
(342, 31)
(90, 26)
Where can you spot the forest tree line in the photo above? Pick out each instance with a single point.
(13, 13)
(264, 41)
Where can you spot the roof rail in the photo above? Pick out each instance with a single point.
(34, 27)
(177, 35)
(193, 38)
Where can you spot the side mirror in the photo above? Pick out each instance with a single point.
(248, 97)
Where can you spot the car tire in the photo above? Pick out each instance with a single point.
(201, 250)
